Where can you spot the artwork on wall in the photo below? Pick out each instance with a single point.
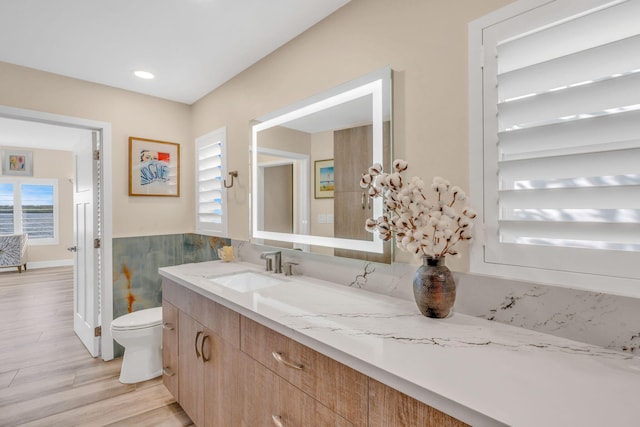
(324, 179)
(17, 162)
(154, 168)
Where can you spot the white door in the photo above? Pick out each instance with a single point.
(86, 293)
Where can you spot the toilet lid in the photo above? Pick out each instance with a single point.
(140, 319)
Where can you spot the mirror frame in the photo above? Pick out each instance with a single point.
(377, 84)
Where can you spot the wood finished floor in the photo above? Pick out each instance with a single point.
(47, 378)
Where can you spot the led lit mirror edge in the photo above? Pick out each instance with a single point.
(370, 84)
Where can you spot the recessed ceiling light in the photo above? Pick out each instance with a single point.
(143, 74)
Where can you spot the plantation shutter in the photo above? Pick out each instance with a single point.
(562, 138)
(210, 192)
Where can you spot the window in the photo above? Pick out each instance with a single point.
(30, 206)
(555, 142)
(211, 196)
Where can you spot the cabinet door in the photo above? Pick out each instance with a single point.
(389, 407)
(190, 379)
(222, 393)
(170, 347)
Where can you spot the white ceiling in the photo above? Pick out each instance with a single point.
(192, 46)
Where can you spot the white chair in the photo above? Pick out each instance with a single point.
(13, 251)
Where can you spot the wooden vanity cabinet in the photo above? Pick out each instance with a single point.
(227, 370)
(208, 347)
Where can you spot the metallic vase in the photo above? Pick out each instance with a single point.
(434, 288)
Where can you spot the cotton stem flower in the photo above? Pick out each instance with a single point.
(428, 221)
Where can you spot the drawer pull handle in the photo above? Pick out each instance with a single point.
(277, 420)
(168, 326)
(196, 344)
(168, 372)
(285, 362)
(204, 358)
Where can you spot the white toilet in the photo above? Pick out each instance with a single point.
(140, 333)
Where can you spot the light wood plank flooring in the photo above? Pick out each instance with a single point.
(47, 378)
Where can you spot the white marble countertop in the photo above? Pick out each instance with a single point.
(481, 372)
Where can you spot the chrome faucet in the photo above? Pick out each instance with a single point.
(277, 257)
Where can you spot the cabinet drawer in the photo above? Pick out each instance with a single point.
(170, 347)
(219, 319)
(338, 387)
(270, 401)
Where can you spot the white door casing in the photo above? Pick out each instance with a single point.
(102, 216)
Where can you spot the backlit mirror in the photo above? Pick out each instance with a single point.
(307, 160)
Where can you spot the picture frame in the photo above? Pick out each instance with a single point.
(154, 168)
(324, 179)
(17, 162)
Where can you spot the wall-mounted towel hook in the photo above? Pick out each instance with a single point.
(232, 174)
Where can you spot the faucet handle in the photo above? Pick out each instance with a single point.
(288, 267)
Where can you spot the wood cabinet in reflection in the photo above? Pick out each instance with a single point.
(353, 154)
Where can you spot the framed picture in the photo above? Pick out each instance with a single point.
(17, 162)
(154, 168)
(324, 179)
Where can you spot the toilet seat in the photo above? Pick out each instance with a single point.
(142, 319)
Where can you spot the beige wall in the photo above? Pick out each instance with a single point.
(130, 114)
(424, 42)
(55, 164)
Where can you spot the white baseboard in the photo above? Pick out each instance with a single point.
(43, 264)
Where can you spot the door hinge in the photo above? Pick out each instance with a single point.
(96, 243)
(96, 155)
(97, 332)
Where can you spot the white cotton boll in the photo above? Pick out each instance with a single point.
(436, 214)
(400, 165)
(418, 234)
(469, 213)
(381, 180)
(448, 233)
(433, 222)
(413, 247)
(464, 222)
(449, 211)
(417, 182)
(395, 180)
(405, 201)
(373, 191)
(391, 204)
(466, 234)
(406, 240)
(439, 234)
(370, 224)
(375, 169)
(365, 180)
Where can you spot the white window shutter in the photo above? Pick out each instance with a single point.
(211, 196)
(561, 138)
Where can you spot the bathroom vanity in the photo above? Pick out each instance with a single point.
(245, 347)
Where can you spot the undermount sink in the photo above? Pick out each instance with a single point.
(247, 281)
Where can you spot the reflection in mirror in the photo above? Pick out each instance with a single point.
(307, 161)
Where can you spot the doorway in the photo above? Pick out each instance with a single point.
(100, 292)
